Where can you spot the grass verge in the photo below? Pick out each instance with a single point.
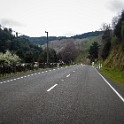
(116, 77)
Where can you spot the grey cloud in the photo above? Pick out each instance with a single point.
(115, 5)
(10, 22)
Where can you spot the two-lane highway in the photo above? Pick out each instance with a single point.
(70, 95)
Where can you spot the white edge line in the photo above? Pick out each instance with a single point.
(52, 87)
(111, 87)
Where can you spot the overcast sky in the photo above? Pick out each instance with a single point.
(58, 17)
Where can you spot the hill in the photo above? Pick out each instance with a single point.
(29, 48)
(42, 40)
(82, 45)
(115, 46)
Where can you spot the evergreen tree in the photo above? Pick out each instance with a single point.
(119, 27)
(93, 51)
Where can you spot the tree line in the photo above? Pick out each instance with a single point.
(14, 51)
(23, 48)
(113, 34)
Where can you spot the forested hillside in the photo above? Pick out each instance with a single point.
(28, 50)
(82, 46)
(114, 45)
(42, 40)
(19, 46)
(23, 48)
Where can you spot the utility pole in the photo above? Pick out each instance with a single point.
(47, 48)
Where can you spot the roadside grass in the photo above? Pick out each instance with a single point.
(19, 73)
(115, 76)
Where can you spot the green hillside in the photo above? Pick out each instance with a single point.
(42, 40)
(113, 52)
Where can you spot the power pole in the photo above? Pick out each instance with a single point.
(47, 48)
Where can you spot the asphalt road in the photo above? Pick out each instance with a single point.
(70, 95)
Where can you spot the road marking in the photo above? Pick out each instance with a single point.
(111, 87)
(68, 75)
(28, 76)
(62, 80)
(52, 87)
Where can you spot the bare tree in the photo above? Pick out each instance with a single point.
(115, 21)
(69, 53)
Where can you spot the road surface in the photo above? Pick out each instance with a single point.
(70, 95)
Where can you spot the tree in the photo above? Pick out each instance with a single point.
(114, 21)
(106, 41)
(69, 53)
(43, 57)
(93, 51)
(106, 50)
(107, 32)
(29, 57)
(52, 56)
(119, 26)
(9, 58)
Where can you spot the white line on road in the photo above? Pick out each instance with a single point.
(62, 80)
(52, 87)
(111, 87)
(68, 75)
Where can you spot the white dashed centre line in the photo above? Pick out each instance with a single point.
(52, 87)
(68, 75)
